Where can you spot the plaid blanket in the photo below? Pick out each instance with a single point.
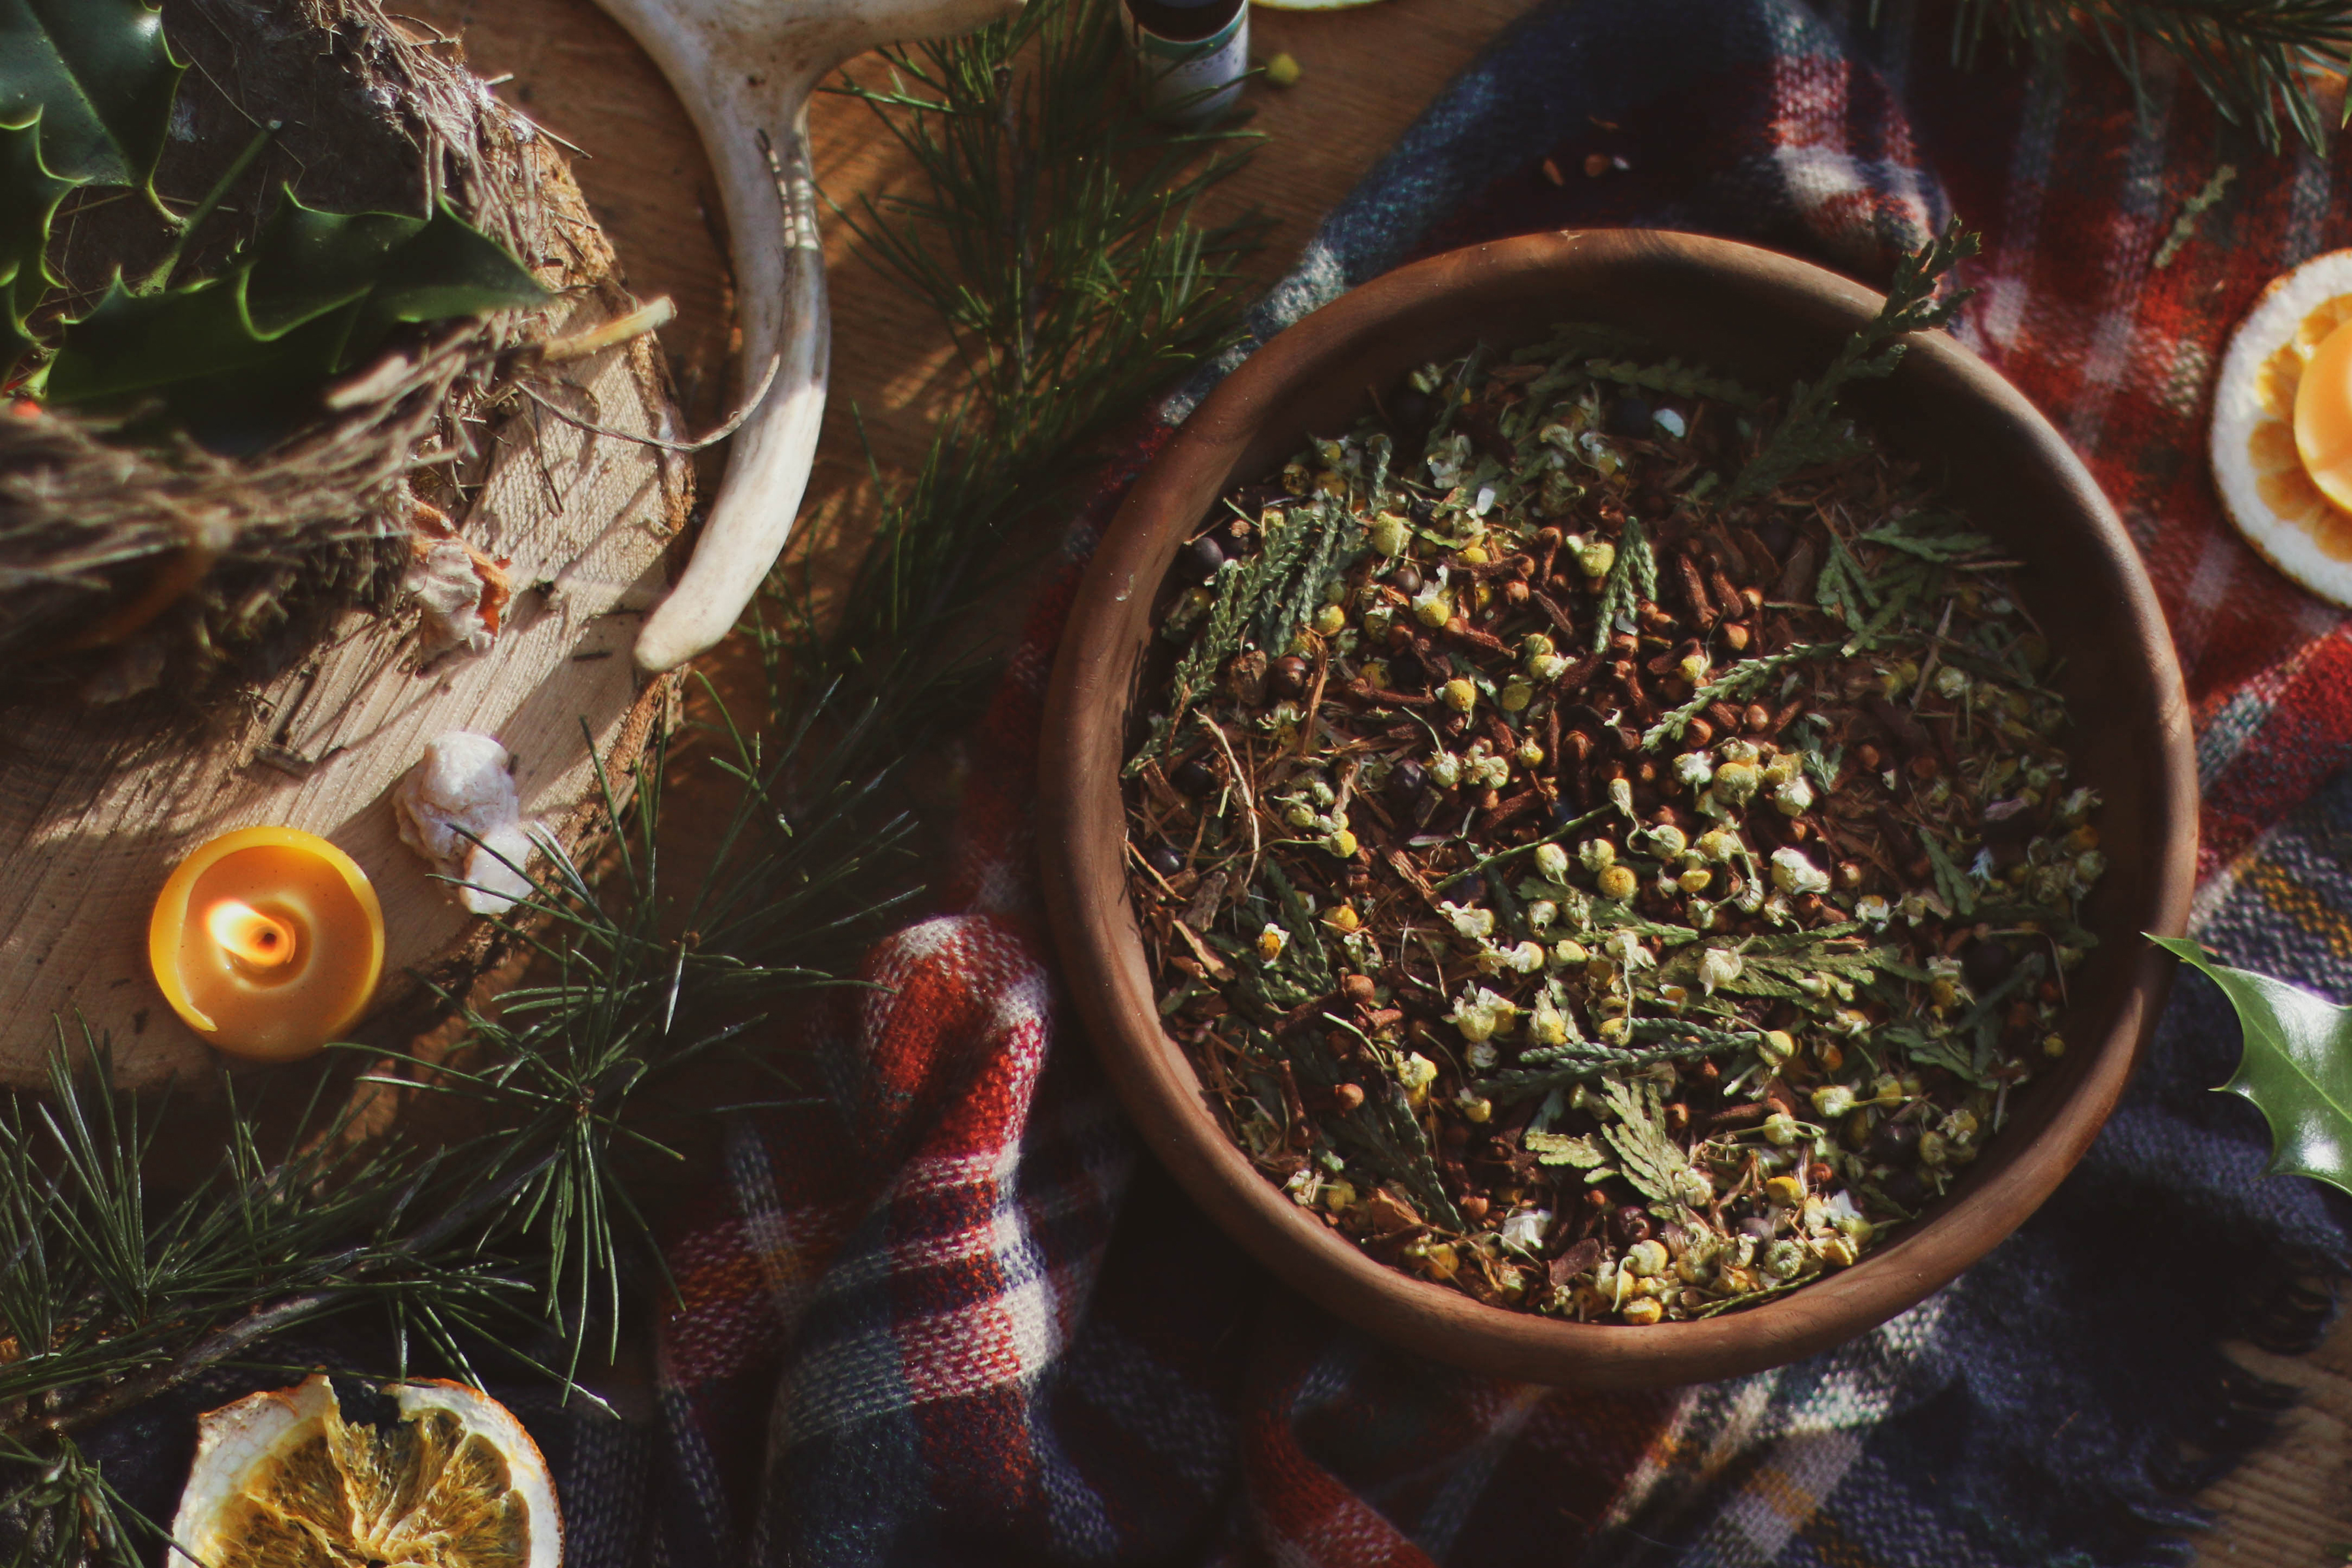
(950, 1316)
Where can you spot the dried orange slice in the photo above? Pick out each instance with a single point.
(410, 1475)
(2260, 459)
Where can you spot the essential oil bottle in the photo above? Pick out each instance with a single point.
(1190, 55)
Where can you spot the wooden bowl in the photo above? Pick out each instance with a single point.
(1769, 320)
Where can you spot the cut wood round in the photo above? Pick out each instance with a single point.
(99, 801)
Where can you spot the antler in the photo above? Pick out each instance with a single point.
(744, 70)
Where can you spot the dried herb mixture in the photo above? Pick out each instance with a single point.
(1615, 889)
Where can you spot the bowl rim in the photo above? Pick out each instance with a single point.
(1081, 834)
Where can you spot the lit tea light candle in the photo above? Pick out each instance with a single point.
(268, 941)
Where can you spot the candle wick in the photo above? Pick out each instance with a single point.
(251, 938)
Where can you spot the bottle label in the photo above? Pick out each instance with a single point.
(1193, 79)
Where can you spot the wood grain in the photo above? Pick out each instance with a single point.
(98, 802)
(1366, 74)
(2291, 1503)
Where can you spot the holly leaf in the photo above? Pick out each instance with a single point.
(29, 195)
(86, 91)
(98, 76)
(237, 360)
(2297, 1066)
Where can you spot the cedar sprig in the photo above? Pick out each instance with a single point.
(1223, 632)
(1931, 536)
(1578, 1152)
(1741, 680)
(1956, 888)
(1647, 1154)
(1811, 432)
(2192, 211)
(1389, 1138)
(1382, 1132)
(1586, 1062)
(1322, 527)
(1304, 954)
(1632, 578)
(1843, 589)
(1544, 1069)
(1692, 382)
(1266, 599)
(1578, 341)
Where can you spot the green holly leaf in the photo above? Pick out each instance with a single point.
(239, 359)
(99, 78)
(2297, 1066)
(29, 195)
(86, 91)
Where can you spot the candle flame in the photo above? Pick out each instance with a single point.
(248, 936)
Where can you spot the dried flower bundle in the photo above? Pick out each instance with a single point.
(1618, 892)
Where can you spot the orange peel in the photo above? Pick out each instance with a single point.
(411, 1474)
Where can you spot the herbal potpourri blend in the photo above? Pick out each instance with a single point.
(1653, 913)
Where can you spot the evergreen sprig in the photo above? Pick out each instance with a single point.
(2255, 59)
(1051, 230)
(1266, 599)
(1633, 577)
(1810, 431)
(1692, 382)
(1746, 677)
(1647, 1154)
(1581, 1061)
(1053, 226)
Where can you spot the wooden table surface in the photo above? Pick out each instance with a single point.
(1366, 74)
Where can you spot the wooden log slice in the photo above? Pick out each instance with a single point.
(97, 803)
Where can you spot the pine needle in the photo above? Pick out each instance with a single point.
(2255, 59)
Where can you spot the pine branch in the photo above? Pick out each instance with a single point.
(64, 1512)
(1053, 235)
(2255, 59)
(108, 1294)
(1053, 229)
